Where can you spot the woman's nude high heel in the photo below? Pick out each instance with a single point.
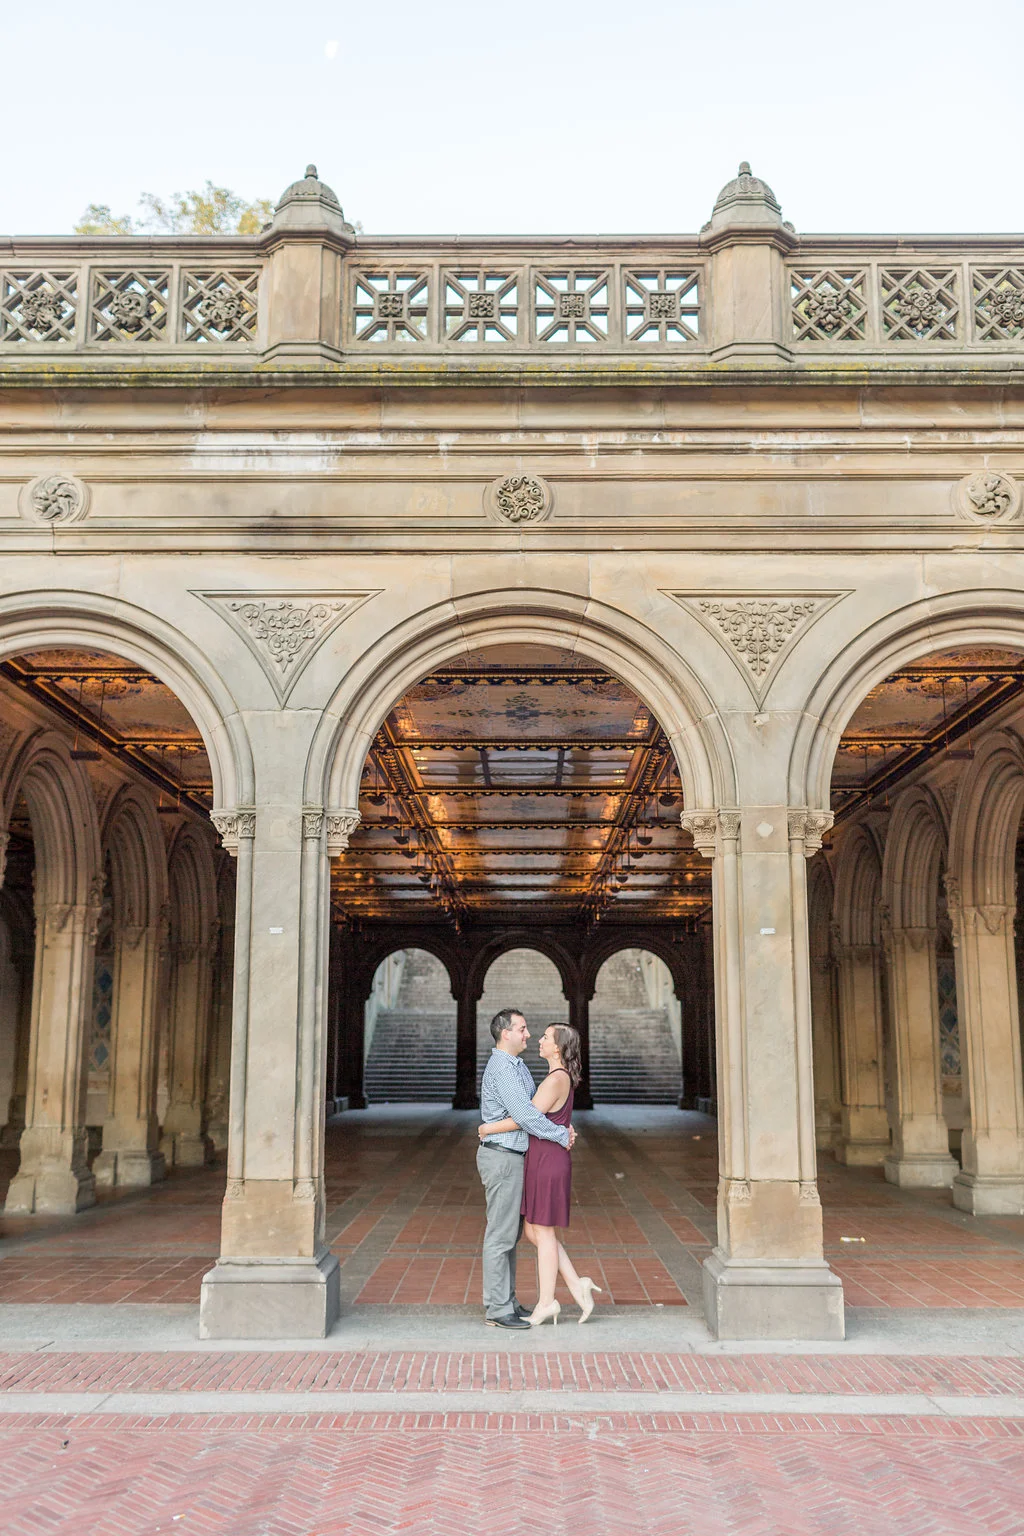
(588, 1288)
(541, 1314)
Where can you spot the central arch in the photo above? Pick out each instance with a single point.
(629, 650)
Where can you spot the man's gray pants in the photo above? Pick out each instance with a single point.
(501, 1174)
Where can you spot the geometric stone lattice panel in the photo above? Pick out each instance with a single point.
(662, 305)
(129, 306)
(998, 303)
(949, 1024)
(571, 305)
(284, 629)
(38, 306)
(390, 305)
(480, 306)
(219, 305)
(829, 304)
(919, 303)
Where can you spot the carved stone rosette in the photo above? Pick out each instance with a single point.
(233, 826)
(55, 499)
(340, 826)
(518, 501)
(987, 496)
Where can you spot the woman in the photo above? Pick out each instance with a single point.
(547, 1177)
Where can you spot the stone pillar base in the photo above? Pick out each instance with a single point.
(921, 1170)
(60, 1192)
(129, 1169)
(862, 1154)
(181, 1149)
(784, 1300)
(989, 1194)
(270, 1299)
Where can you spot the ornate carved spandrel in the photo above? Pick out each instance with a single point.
(480, 305)
(920, 303)
(219, 305)
(39, 305)
(339, 827)
(232, 827)
(572, 305)
(829, 303)
(390, 304)
(661, 304)
(284, 629)
(130, 305)
(998, 303)
(987, 496)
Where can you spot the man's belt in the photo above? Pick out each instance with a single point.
(488, 1146)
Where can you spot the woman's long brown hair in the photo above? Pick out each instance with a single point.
(568, 1041)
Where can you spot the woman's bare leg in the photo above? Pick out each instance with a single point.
(547, 1263)
(569, 1275)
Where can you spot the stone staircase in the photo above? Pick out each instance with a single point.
(412, 1054)
(633, 1056)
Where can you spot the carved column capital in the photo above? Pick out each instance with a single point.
(340, 826)
(312, 823)
(809, 827)
(233, 826)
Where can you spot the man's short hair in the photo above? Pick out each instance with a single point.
(503, 1021)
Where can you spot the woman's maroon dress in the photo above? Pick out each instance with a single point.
(547, 1177)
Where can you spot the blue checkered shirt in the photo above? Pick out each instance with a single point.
(506, 1093)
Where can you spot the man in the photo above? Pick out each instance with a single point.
(506, 1093)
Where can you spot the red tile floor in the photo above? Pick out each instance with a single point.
(405, 1218)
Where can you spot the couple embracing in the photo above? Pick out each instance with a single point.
(526, 1170)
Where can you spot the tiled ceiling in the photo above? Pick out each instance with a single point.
(107, 702)
(521, 781)
(928, 710)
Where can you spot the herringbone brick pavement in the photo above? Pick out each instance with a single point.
(797, 1480)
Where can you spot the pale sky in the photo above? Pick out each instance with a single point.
(534, 116)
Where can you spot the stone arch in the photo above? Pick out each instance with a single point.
(373, 955)
(65, 827)
(985, 823)
(595, 955)
(523, 938)
(981, 617)
(192, 885)
(858, 889)
(913, 856)
(134, 843)
(605, 635)
(81, 620)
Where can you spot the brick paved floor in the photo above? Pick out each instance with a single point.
(405, 1218)
(788, 1478)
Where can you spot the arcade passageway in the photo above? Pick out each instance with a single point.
(405, 1218)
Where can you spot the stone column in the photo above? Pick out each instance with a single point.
(864, 1124)
(466, 1096)
(579, 1018)
(275, 1277)
(218, 1072)
(992, 1178)
(131, 1136)
(185, 1140)
(352, 1043)
(53, 1175)
(920, 1155)
(767, 1278)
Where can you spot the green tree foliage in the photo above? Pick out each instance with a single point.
(211, 211)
